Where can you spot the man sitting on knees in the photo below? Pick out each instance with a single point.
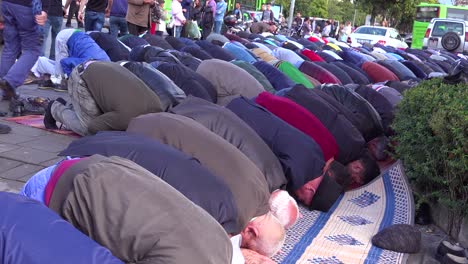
(104, 96)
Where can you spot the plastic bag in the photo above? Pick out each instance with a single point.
(192, 30)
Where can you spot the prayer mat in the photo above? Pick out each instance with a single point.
(344, 234)
(37, 121)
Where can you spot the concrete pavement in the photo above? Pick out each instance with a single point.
(27, 150)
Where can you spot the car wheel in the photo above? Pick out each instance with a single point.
(450, 41)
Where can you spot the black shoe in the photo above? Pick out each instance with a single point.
(61, 100)
(8, 91)
(49, 120)
(4, 129)
(452, 259)
(445, 247)
(16, 106)
(68, 25)
(46, 84)
(80, 25)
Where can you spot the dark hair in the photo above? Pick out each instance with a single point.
(339, 173)
(371, 168)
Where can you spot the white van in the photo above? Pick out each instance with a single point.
(448, 34)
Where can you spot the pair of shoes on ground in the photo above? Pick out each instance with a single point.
(448, 253)
(49, 120)
(31, 79)
(48, 84)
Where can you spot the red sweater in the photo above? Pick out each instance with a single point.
(301, 119)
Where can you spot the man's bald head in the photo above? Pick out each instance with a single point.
(264, 234)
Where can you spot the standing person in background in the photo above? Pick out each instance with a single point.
(306, 28)
(117, 20)
(326, 30)
(208, 17)
(161, 24)
(71, 9)
(347, 30)
(238, 12)
(219, 15)
(138, 15)
(196, 11)
(267, 15)
(332, 28)
(96, 10)
(54, 25)
(178, 16)
(21, 35)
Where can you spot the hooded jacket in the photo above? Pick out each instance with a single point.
(299, 155)
(246, 181)
(31, 233)
(81, 47)
(128, 220)
(119, 95)
(229, 80)
(227, 125)
(176, 168)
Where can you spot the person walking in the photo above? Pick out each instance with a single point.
(207, 18)
(219, 15)
(138, 15)
(95, 13)
(71, 9)
(117, 20)
(159, 20)
(178, 16)
(22, 41)
(53, 25)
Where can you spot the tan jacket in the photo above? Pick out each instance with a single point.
(138, 13)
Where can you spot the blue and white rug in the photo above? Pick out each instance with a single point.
(343, 235)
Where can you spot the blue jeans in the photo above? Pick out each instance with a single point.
(217, 26)
(94, 21)
(118, 24)
(177, 31)
(21, 36)
(54, 23)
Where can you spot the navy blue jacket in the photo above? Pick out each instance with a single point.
(179, 170)
(32, 233)
(119, 8)
(300, 156)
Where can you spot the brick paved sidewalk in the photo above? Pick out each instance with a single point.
(26, 150)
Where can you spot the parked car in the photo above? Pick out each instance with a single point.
(373, 34)
(448, 34)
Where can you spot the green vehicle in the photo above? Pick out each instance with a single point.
(426, 12)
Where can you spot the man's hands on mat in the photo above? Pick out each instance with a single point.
(252, 257)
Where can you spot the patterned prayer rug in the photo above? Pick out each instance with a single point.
(343, 235)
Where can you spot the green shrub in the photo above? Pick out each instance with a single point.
(431, 128)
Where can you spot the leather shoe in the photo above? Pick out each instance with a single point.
(8, 91)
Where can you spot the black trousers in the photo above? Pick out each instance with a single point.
(136, 30)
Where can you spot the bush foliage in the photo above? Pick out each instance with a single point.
(431, 128)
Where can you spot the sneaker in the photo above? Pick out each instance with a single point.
(8, 91)
(4, 129)
(445, 247)
(46, 84)
(49, 120)
(452, 259)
